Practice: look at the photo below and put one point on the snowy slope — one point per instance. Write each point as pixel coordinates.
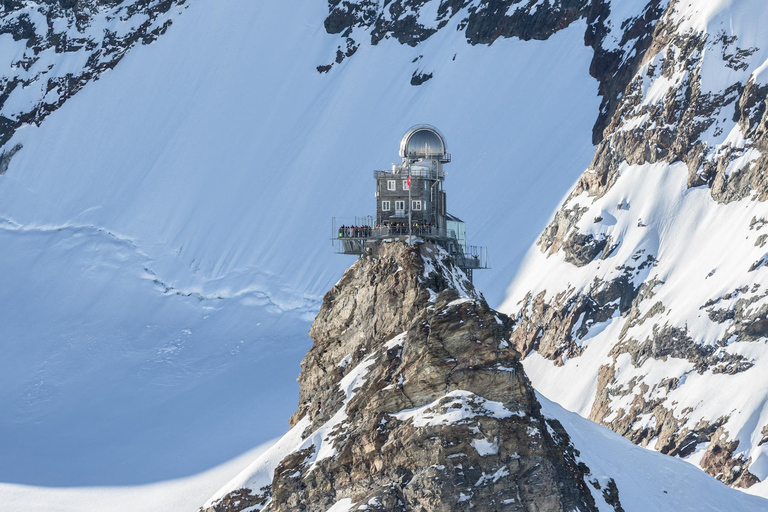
(109, 380)
(647, 291)
(645, 480)
(184, 494)
(209, 138)
(164, 232)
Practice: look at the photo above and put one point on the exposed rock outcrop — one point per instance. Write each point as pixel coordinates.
(694, 107)
(411, 398)
(619, 44)
(90, 36)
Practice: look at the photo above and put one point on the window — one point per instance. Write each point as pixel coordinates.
(391, 185)
(405, 185)
(385, 206)
(416, 205)
(400, 205)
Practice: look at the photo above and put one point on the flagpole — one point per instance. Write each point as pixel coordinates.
(410, 235)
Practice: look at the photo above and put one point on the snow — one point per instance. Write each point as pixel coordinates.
(259, 473)
(621, 12)
(686, 231)
(172, 495)
(739, 163)
(646, 480)
(460, 301)
(100, 364)
(455, 407)
(164, 232)
(725, 17)
(485, 447)
(397, 341)
(37, 68)
(343, 505)
(486, 479)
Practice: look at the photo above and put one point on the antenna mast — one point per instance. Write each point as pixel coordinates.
(410, 203)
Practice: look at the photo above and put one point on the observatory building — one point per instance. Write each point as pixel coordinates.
(411, 204)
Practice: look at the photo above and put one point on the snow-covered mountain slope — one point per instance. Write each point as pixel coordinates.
(183, 494)
(164, 231)
(645, 480)
(50, 50)
(646, 293)
(427, 407)
(108, 379)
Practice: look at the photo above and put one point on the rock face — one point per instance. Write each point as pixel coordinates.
(62, 45)
(649, 274)
(411, 398)
(618, 35)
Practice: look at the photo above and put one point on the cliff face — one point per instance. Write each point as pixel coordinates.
(412, 398)
(650, 279)
(618, 32)
(57, 47)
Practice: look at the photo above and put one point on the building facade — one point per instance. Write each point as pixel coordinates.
(423, 155)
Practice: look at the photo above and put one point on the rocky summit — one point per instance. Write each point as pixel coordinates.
(412, 398)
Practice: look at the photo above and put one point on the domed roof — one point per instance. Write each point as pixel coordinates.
(423, 141)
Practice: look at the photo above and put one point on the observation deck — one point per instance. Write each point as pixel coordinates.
(356, 236)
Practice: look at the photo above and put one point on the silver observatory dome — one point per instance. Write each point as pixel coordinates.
(424, 141)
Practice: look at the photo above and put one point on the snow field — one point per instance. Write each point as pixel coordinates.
(165, 232)
(704, 251)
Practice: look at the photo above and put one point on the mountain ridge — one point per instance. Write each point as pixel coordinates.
(646, 277)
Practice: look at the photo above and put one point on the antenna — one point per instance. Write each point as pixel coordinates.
(410, 205)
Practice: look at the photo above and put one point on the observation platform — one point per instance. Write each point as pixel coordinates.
(356, 236)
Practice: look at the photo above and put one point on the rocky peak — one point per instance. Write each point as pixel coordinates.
(412, 398)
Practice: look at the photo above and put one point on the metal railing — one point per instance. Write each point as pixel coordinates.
(444, 157)
(473, 257)
(368, 230)
(431, 174)
(351, 239)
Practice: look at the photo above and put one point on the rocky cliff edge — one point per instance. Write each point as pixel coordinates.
(412, 398)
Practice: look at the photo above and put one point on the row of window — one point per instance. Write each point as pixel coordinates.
(392, 185)
(400, 205)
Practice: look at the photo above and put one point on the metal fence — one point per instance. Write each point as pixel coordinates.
(352, 234)
(365, 227)
(474, 257)
(431, 174)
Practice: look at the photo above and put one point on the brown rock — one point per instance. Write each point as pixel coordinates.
(415, 395)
